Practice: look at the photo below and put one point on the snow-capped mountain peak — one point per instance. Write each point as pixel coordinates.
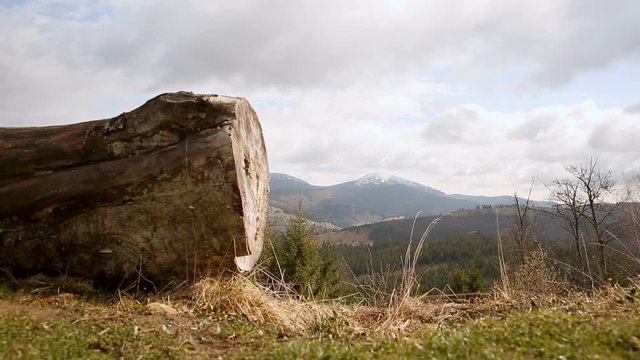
(375, 178)
(381, 179)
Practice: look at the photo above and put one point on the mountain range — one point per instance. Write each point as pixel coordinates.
(371, 198)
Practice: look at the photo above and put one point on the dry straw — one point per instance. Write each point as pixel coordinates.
(243, 295)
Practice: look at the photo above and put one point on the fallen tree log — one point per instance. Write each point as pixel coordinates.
(171, 191)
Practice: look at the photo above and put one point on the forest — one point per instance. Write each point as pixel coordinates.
(582, 241)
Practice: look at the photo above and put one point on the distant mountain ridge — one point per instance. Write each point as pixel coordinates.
(368, 199)
(284, 181)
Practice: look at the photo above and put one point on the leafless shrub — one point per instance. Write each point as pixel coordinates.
(537, 275)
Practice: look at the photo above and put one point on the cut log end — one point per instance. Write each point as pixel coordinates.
(173, 190)
(252, 168)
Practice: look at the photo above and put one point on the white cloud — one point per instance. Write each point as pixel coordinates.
(518, 147)
(633, 109)
(343, 90)
(463, 149)
(311, 44)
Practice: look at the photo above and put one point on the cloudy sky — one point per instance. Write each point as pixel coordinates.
(476, 97)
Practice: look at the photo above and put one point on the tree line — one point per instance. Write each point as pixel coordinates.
(604, 246)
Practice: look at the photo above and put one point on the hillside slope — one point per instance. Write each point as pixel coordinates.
(482, 222)
(371, 198)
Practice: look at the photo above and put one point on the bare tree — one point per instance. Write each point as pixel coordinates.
(594, 186)
(570, 208)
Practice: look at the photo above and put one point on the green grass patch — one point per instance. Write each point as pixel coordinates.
(24, 338)
(6, 291)
(599, 326)
(537, 335)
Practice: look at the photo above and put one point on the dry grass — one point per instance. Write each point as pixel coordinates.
(242, 295)
(437, 325)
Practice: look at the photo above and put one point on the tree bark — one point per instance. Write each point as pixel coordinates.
(173, 190)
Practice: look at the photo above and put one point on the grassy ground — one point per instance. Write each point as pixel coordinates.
(38, 325)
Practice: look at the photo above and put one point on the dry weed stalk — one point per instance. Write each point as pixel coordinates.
(402, 310)
(402, 304)
(375, 288)
(410, 262)
(505, 289)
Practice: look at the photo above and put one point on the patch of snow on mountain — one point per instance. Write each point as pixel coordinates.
(377, 179)
(384, 179)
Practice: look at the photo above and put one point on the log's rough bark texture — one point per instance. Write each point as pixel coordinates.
(173, 190)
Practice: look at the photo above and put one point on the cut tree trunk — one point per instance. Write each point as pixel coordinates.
(171, 191)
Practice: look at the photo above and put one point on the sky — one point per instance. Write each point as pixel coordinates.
(478, 97)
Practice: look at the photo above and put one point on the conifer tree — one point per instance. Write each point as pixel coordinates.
(299, 261)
